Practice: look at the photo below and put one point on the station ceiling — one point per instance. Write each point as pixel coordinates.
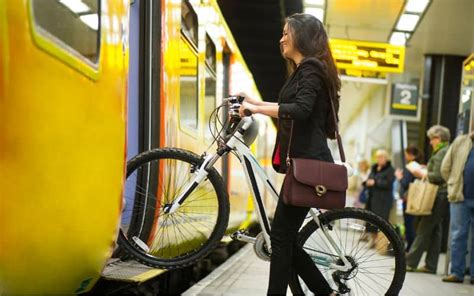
(446, 28)
(257, 26)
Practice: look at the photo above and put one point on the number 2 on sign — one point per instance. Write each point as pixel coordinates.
(406, 97)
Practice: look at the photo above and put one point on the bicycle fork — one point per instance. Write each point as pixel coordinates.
(335, 248)
(200, 175)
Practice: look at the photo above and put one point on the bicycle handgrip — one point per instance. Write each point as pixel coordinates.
(247, 112)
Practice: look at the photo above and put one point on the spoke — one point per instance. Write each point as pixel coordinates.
(198, 222)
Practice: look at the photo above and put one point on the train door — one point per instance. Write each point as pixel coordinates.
(143, 94)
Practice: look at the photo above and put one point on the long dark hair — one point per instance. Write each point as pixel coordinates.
(310, 39)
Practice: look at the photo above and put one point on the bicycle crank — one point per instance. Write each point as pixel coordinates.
(260, 247)
(242, 235)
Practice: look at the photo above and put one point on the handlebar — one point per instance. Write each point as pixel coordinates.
(234, 105)
(235, 99)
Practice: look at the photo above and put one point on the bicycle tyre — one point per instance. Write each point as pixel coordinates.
(205, 246)
(397, 252)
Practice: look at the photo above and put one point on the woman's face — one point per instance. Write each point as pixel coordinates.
(434, 141)
(381, 160)
(409, 157)
(286, 44)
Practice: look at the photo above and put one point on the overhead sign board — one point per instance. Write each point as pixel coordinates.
(404, 101)
(371, 56)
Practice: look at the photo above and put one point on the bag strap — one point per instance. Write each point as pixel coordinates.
(338, 136)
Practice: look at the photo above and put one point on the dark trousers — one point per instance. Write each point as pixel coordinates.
(428, 235)
(409, 226)
(286, 255)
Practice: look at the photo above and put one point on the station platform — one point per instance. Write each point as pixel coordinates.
(244, 274)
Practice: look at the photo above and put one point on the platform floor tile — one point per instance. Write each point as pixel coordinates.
(244, 274)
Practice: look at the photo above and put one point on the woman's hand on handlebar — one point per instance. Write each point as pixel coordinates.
(247, 109)
(248, 99)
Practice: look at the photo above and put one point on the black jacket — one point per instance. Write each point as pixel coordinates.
(383, 186)
(405, 183)
(303, 99)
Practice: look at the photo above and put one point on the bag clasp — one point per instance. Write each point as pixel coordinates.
(320, 190)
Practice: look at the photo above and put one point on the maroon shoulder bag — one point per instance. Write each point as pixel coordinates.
(315, 183)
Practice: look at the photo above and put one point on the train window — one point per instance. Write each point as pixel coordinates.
(73, 25)
(210, 53)
(188, 85)
(189, 22)
(209, 100)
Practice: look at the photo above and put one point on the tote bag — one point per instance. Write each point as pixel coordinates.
(421, 197)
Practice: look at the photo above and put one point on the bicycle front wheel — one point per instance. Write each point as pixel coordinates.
(155, 179)
(371, 245)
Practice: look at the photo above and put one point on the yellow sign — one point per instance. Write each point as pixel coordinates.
(372, 56)
(468, 70)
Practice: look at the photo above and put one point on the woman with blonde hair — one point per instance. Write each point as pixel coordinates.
(380, 187)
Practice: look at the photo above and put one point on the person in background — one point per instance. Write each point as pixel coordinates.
(356, 188)
(429, 229)
(457, 169)
(380, 186)
(405, 177)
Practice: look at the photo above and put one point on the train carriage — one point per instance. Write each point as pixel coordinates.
(63, 81)
(66, 75)
(199, 64)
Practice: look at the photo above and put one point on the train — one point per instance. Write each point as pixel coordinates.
(86, 85)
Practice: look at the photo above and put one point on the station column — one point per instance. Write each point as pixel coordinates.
(441, 92)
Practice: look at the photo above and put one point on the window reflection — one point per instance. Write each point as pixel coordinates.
(189, 22)
(209, 100)
(72, 24)
(210, 53)
(188, 86)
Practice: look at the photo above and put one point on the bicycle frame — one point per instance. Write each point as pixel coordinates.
(252, 169)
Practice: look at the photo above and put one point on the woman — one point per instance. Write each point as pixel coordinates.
(405, 177)
(304, 100)
(429, 229)
(380, 187)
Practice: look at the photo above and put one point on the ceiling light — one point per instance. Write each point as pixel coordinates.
(399, 38)
(76, 6)
(92, 20)
(314, 2)
(417, 6)
(317, 12)
(407, 22)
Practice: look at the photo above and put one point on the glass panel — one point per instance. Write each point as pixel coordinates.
(188, 86)
(209, 100)
(189, 22)
(210, 53)
(74, 25)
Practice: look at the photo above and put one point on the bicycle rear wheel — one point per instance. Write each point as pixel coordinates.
(154, 179)
(378, 266)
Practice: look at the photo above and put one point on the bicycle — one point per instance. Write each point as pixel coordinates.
(191, 214)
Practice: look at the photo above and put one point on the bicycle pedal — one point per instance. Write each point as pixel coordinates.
(242, 235)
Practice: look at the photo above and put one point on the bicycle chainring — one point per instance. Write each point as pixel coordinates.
(260, 247)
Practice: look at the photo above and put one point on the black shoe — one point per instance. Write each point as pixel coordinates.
(425, 269)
